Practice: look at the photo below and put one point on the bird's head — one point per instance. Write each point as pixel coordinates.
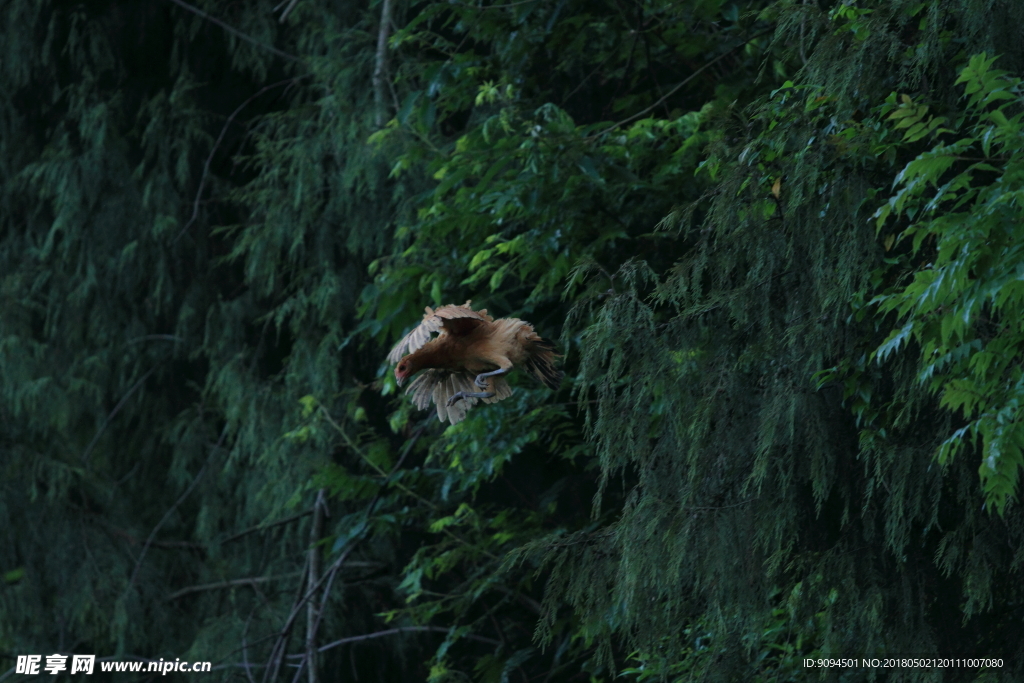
(404, 370)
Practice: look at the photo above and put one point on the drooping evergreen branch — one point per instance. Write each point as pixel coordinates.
(234, 31)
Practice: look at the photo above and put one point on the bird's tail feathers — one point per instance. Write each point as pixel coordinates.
(541, 364)
(545, 344)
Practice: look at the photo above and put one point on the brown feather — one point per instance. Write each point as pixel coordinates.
(459, 320)
(467, 344)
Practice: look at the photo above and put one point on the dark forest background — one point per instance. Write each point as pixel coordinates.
(779, 243)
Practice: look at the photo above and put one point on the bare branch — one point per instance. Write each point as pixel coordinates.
(220, 138)
(277, 653)
(155, 337)
(680, 85)
(245, 648)
(380, 65)
(250, 581)
(312, 611)
(117, 408)
(170, 511)
(400, 629)
(189, 545)
(368, 636)
(287, 10)
(264, 527)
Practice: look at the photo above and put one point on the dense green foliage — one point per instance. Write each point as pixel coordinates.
(958, 306)
(779, 244)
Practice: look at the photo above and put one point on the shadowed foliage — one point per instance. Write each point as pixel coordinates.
(778, 243)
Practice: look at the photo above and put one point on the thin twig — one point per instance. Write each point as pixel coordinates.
(250, 581)
(680, 85)
(287, 10)
(245, 648)
(509, 4)
(220, 138)
(167, 515)
(369, 636)
(527, 601)
(156, 544)
(117, 408)
(264, 527)
(155, 337)
(234, 31)
(722, 507)
(133, 470)
(299, 593)
(400, 629)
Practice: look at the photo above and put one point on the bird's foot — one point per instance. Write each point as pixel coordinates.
(481, 382)
(459, 395)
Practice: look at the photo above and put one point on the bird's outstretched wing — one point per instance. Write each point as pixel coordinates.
(453, 319)
(439, 385)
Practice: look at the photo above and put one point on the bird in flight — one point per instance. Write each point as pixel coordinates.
(468, 360)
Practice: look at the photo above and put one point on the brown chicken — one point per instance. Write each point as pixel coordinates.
(472, 349)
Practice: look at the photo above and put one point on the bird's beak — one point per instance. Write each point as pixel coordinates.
(399, 380)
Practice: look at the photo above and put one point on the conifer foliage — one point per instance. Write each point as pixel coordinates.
(779, 241)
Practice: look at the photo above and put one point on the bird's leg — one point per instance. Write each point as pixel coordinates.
(459, 395)
(482, 383)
